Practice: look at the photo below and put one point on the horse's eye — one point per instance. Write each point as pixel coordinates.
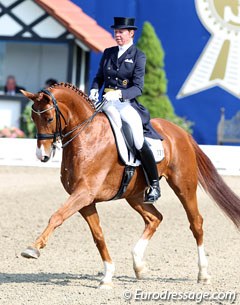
(50, 120)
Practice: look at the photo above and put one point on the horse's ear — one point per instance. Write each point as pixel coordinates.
(29, 95)
(33, 97)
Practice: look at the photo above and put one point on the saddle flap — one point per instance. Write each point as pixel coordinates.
(125, 144)
(128, 137)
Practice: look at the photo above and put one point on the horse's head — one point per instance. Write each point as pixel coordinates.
(48, 120)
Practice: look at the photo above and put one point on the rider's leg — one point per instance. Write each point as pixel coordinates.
(149, 165)
(114, 114)
(130, 115)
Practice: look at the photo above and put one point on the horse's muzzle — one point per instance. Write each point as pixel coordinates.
(45, 159)
(42, 154)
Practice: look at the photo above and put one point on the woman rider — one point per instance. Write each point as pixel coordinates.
(121, 74)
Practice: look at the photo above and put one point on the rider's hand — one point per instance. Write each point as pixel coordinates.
(113, 96)
(94, 95)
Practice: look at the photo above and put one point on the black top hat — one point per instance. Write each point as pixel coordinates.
(124, 23)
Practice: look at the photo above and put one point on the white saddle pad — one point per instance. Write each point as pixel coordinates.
(129, 159)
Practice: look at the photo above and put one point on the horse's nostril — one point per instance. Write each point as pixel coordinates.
(45, 159)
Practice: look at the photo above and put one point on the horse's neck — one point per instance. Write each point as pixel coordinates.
(75, 108)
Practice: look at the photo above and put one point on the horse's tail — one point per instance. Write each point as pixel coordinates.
(214, 185)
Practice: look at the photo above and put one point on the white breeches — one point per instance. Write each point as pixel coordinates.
(117, 110)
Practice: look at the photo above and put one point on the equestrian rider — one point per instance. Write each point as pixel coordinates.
(121, 74)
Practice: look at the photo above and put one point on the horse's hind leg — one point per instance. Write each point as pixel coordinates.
(90, 214)
(185, 188)
(152, 219)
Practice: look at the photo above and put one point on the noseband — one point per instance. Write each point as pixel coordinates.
(59, 131)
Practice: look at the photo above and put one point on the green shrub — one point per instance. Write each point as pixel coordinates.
(27, 124)
(154, 96)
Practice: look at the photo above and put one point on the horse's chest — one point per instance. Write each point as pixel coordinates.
(68, 178)
(71, 171)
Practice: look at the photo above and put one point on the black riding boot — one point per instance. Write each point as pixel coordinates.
(150, 168)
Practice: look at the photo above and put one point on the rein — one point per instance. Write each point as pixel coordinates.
(59, 131)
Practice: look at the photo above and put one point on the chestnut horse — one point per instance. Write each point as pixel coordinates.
(91, 172)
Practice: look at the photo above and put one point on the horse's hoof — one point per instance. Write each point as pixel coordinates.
(206, 279)
(31, 252)
(141, 271)
(106, 286)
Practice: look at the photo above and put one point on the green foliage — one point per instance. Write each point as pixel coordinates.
(154, 96)
(28, 125)
(161, 107)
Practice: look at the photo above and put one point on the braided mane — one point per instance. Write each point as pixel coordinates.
(75, 89)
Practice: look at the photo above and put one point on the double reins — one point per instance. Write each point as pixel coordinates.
(59, 130)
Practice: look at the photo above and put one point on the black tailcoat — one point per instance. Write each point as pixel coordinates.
(127, 74)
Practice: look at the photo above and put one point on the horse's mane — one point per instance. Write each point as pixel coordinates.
(75, 89)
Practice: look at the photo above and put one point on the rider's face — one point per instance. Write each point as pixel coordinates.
(123, 36)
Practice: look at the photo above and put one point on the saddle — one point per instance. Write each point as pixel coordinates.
(128, 153)
(126, 148)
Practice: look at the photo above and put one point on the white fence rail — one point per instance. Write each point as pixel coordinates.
(21, 152)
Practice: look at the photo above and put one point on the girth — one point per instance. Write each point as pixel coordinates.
(127, 177)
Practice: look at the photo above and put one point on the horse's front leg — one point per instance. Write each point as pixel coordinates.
(74, 203)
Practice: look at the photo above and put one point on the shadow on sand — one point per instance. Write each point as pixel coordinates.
(65, 279)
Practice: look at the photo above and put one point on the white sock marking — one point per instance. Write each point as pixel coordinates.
(138, 251)
(108, 272)
(203, 265)
(202, 260)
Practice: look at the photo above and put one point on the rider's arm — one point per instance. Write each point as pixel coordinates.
(137, 78)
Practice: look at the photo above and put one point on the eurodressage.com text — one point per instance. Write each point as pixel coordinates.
(197, 297)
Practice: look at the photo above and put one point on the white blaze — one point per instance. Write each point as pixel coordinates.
(40, 152)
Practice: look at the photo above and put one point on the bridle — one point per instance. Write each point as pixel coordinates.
(58, 113)
(58, 134)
